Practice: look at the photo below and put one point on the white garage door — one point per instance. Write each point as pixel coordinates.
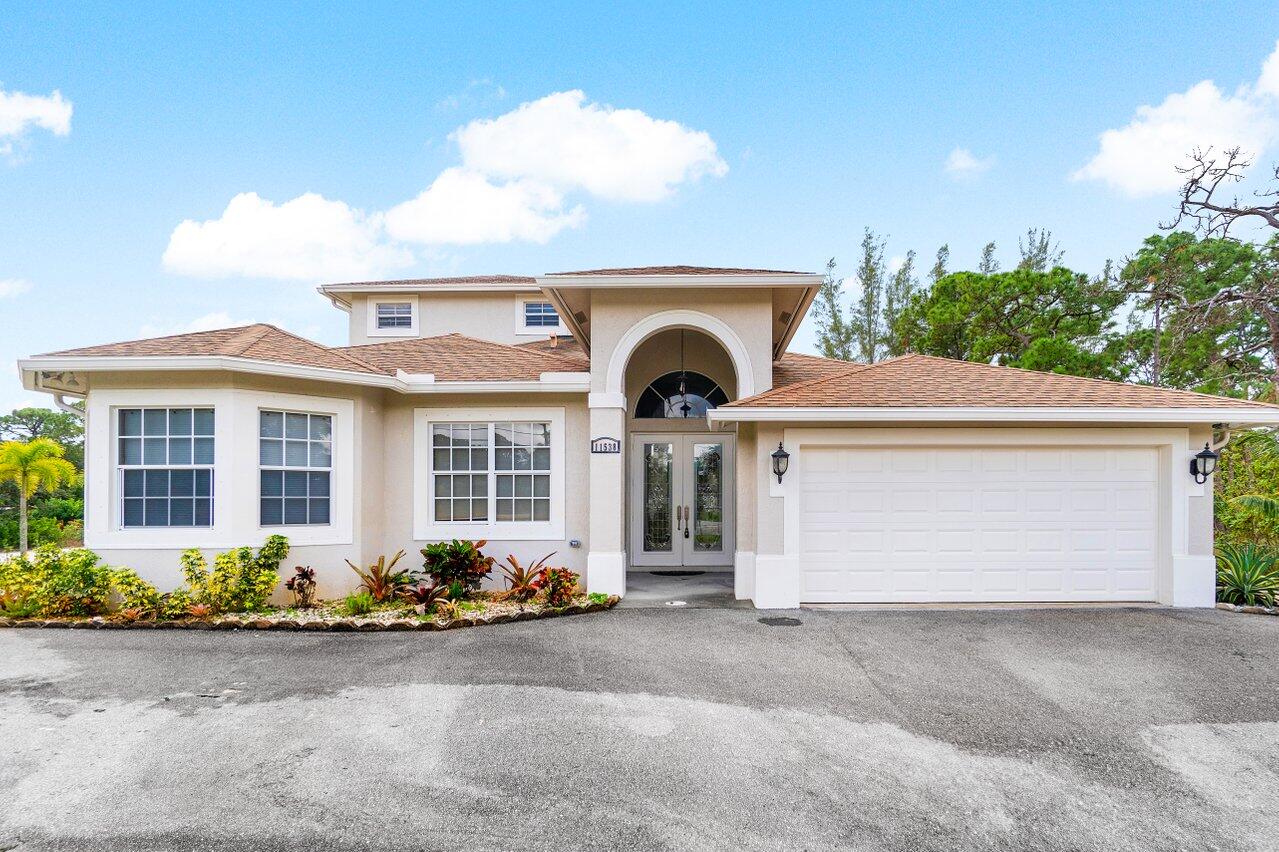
(978, 524)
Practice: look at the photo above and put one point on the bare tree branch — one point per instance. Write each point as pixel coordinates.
(1201, 205)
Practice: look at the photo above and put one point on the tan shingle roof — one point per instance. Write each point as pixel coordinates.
(458, 358)
(259, 341)
(440, 282)
(679, 270)
(795, 367)
(565, 347)
(449, 357)
(913, 381)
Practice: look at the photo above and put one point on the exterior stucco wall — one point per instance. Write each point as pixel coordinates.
(746, 312)
(380, 443)
(1186, 518)
(488, 316)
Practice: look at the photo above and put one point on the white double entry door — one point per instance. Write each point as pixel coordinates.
(681, 500)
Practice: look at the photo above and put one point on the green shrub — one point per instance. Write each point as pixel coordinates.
(52, 582)
(61, 509)
(240, 581)
(40, 531)
(457, 561)
(597, 598)
(1246, 575)
(175, 605)
(358, 603)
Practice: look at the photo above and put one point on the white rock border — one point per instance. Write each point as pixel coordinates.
(337, 625)
(1252, 610)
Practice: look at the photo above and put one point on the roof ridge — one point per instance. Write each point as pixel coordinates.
(246, 337)
(336, 350)
(1089, 379)
(234, 328)
(561, 359)
(852, 368)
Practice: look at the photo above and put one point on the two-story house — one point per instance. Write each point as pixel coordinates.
(633, 419)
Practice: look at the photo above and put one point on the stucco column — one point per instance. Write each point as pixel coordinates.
(606, 560)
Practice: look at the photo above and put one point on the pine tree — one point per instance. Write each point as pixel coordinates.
(988, 265)
(865, 319)
(939, 266)
(897, 295)
(834, 335)
(1039, 253)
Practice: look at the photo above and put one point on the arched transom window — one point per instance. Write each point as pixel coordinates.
(679, 395)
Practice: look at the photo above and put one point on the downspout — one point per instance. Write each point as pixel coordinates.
(66, 406)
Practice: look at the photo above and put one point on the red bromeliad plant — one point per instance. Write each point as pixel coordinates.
(520, 578)
(558, 585)
(424, 597)
(381, 580)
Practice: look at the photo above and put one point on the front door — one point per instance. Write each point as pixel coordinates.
(682, 500)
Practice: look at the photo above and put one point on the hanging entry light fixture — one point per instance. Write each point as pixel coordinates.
(684, 407)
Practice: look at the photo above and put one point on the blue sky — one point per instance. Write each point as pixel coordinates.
(761, 136)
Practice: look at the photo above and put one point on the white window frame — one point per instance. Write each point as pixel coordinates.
(426, 528)
(121, 468)
(308, 469)
(537, 330)
(393, 299)
(236, 520)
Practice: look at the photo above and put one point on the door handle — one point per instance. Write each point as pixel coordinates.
(685, 522)
(678, 517)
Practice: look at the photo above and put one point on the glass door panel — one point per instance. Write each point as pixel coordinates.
(657, 496)
(708, 497)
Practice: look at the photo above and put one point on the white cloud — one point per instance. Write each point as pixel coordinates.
(463, 207)
(20, 112)
(1141, 158)
(10, 287)
(961, 163)
(307, 238)
(517, 174)
(616, 154)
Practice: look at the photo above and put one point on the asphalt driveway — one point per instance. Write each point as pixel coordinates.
(657, 728)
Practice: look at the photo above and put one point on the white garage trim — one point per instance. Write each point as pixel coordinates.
(1182, 579)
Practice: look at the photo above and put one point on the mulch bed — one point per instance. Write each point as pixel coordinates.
(320, 619)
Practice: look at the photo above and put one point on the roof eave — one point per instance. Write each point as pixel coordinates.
(804, 279)
(1238, 417)
(547, 382)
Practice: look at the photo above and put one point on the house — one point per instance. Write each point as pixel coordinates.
(629, 419)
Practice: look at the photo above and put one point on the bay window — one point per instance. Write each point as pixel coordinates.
(295, 459)
(164, 459)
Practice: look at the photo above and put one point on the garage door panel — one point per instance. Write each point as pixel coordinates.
(979, 524)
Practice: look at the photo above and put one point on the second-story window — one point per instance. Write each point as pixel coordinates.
(395, 315)
(540, 315)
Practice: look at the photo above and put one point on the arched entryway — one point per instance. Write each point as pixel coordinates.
(680, 485)
(690, 491)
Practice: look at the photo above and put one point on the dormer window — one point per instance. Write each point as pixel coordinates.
(394, 315)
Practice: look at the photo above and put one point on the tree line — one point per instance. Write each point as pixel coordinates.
(1198, 311)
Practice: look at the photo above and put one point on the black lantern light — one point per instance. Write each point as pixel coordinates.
(781, 461)
(1203, 464)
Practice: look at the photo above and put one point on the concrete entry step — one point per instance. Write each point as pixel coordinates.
(680, 588)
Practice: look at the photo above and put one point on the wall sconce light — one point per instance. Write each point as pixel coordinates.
(781, 461)
(1203, 464)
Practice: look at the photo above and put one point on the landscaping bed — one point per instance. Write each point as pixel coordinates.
(55, 588)
(330, 617)
(1254, 610)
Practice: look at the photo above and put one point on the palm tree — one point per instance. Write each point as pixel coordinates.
(33, 466)
(1263, 445)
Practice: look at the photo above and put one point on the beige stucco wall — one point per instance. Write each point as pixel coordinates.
(1189, 507)
(383, 477)
(488, 316)
(747, 312)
